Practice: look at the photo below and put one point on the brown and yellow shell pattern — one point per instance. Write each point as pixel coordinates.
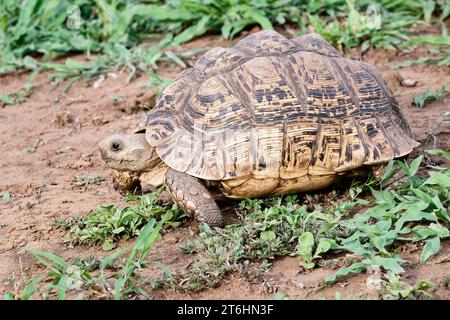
(297, 108)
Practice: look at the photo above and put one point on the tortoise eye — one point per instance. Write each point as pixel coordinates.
(115, 146)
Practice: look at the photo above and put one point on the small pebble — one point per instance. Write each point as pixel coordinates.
(408, 82)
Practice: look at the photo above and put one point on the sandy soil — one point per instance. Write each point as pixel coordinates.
(63, 130)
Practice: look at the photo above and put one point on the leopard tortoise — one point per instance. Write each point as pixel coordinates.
(266, 117)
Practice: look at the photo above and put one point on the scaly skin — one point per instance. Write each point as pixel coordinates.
(193, 198)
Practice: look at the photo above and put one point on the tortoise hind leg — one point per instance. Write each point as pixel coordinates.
(193, 197)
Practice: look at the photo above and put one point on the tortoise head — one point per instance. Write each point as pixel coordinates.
(128, 152)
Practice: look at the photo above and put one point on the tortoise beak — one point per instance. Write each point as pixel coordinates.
(102, 153)
(102, 148)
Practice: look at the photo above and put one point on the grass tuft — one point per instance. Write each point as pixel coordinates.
(109, 223)
(428, 96)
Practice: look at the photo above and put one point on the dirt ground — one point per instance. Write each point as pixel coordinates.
(63, 130)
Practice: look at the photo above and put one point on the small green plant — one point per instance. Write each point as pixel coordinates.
(66, 223)
(395, 289)
(108, 223)
(428, 96)
(156, 81)
(124, 281)
(6, 196)
(392, 220)
(305, 247)
(84, 181)
(438, 41)
(442, 58)
(440, 52)
(79, 276)
(12, 99)
(446, 281)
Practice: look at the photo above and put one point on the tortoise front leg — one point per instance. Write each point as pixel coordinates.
(126, 182)
(192, 196)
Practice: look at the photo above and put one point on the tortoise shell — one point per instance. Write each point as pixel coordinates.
(272, 107)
